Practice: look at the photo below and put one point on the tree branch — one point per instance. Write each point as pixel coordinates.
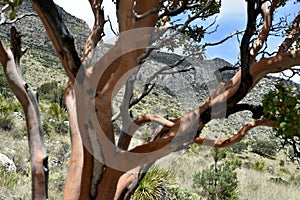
(28, 99)
(73, 180)
(237, 137)
(96, 33)
(293, 36)
(267, 14)
(5, 22)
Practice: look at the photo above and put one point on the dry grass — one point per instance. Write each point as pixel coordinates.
(256, 185)
(17, 149)
(253, 184)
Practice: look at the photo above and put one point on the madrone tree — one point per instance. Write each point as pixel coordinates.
(103, 167)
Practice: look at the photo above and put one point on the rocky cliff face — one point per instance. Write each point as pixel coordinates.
(35, 38)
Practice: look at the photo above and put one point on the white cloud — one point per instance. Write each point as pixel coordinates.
(233, 7)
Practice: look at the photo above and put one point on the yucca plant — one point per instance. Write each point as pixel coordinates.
(156, 184)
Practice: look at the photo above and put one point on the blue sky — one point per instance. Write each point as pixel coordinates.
(231, 19)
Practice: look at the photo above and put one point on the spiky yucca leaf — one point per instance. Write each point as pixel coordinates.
(155, 185)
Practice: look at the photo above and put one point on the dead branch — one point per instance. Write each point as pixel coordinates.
(293, 36)
(28, 99)
(223, 40)
(96, 33)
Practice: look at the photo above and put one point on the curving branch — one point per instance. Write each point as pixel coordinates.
(237, 137)
(222, 40)
(198, 117)
(4, 21)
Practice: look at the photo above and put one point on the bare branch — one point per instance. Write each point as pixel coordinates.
(111, 28)
(4, 21)
(28, 99)
(223, 40)
(267, 14)
(237, 137)
(292, 36)
(96, 33)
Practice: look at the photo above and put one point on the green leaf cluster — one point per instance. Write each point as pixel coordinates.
(282, 106)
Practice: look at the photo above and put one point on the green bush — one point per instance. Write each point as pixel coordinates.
(281, 163)
(179, 193)
(7, 123)
(194, 149)
(264, 147)
(52, 92)
(4, 88)
(219, 181)
(259, 166)
(295, 179)
(282, 107)
(157, 184)
(238, 147)
(6, 113)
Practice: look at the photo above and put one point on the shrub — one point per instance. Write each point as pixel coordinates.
(295, 179)
(52, 92)
(281, 163)
(194, 149)
(4, 88)
(7, 123)
(259, 166)
(279, 180)
(219, 180)
(264, 147)
(238, 147)
(57, 112)
(282, 107)
(179, 193)
(6, 113)
(156, 184)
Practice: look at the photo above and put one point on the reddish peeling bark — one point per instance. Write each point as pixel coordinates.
(73, 182)
(38, 157)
